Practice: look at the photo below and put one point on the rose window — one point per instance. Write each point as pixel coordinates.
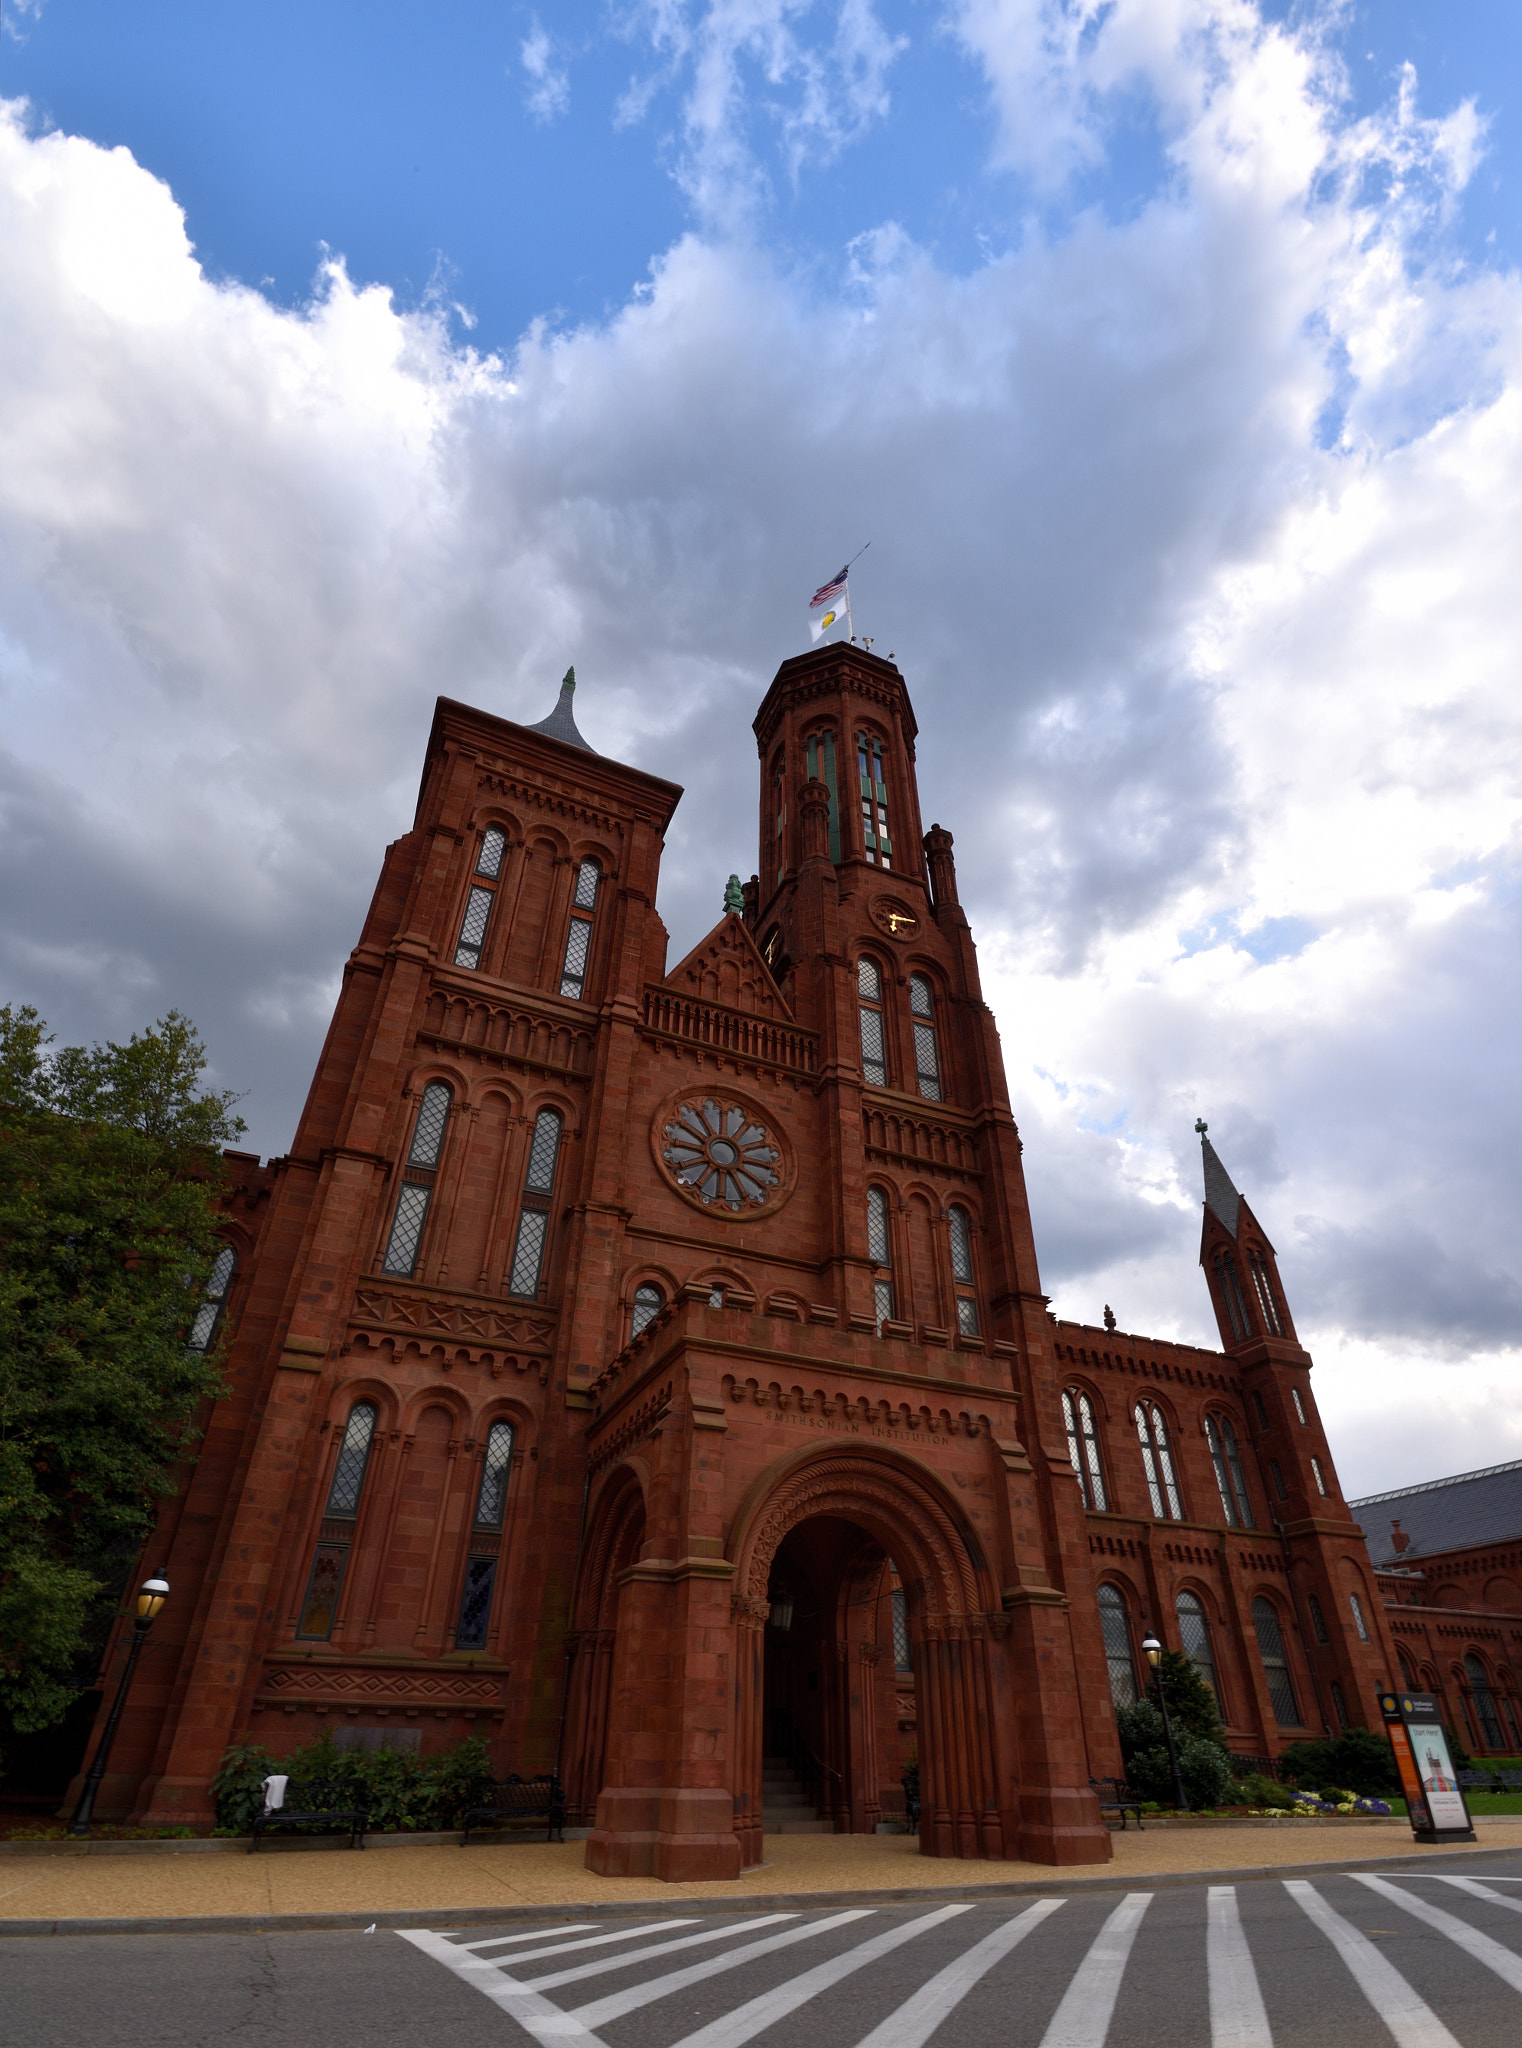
(720, 1154)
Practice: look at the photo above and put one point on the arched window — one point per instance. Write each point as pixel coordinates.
(478, 905)
(1257, 1265)
(1316, 1474)
(534, 1216)
(481, 1564)
(1356, 1605)
(903, 1656)
(1281, 1690)
(1115, 1625)
(1157, 1460)
(1407, 1675)
(330, 1559)
(927, 1065)
(1294, 1394)
(1484, 1704)
(961, 1271)
(418, 1177)
(879, 1251)
(1225, 1456)
(648, 1303)
(874, 801)
(1318, 1622)
(208, 1316)
(869, 992)
(1339, 1707)
(819, 762)
(1194, 1634)
(779, 798)
(1231, 1294)
(578, 938)
(1083, 1447)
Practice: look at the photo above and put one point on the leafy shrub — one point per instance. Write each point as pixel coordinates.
(1204, 1767)
(1258, 1790)
(1141, 1728)
(399, 1791)
(1359, 1760)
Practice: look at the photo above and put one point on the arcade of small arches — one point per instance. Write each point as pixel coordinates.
(1481, 1687)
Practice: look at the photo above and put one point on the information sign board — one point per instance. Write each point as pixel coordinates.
(1437, 1808)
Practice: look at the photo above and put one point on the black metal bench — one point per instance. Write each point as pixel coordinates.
(911, 1785)
(1116, 1796)
(516, 1798)
(1489, 1781)
(322, 1806)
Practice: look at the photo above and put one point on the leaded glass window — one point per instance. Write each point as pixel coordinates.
(1260, 1411)
(1263, 1287)
(528, 1253)
(493, 845)
(1318, 1623)
(1231, 1294)
(1231, 1483)
(1356, 1606)
(869, 990)
(876, 844)
(475, 1603)
(428, 1131)
(1157, 1462)
(491, 1501)
(962, 1273)
(819, 759)
(543, 1153)
(319, 1609)
(879, 1251)
(588, 875)
(213, 1302)
(1294, 1394)
(406, 1229)
(648, 1303)
(1083, 1447)
(1277, 1472)
(1316, 1474)
(1115, 1624)
(1339, 1707)
(467, 952)
(902, 1657)
(573, 974)
(353, 1458)
(717, 1152)
(1194, 1634)
(1281, 1690)
(780, 788)
(927, 1065)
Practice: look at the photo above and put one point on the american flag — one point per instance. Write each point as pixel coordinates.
(827, 591)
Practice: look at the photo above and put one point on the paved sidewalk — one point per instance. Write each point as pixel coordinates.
(276, 1883)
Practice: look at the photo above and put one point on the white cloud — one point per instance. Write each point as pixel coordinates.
(549, 93)
(1223, 717)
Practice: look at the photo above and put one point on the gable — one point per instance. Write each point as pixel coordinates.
(727, 968)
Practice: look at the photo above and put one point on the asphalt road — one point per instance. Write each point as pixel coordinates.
(1427, 1960)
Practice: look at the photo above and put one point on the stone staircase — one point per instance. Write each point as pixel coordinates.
(785, 1810)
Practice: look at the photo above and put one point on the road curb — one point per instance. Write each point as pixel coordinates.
(602, 1909)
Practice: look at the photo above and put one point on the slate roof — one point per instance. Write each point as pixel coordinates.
(1444, 1514)
(561, 725)
(1220, 1195)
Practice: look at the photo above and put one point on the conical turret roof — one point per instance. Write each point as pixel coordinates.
(1221, 1198)
(561, 724)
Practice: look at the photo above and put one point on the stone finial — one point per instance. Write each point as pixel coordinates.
(1109, 1317)
(734, 895)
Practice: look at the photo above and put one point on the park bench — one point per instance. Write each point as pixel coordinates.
(321, 1806)
(515, 1798)
(1115, 1796)
(911, 1785)
(1489, 1781)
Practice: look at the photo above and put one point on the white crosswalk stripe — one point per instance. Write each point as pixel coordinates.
(1507, 1966)
(1239, 1937)
(1237, 2018)
(917, 2019)
(1083, 2018)
(1410, 2019)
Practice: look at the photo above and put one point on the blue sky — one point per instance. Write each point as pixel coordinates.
(408, 140)
(1169, 353)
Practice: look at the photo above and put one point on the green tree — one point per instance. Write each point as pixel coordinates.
(108, 1182)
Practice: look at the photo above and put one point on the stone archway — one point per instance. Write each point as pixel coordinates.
(618, 1529)
(956, 1627)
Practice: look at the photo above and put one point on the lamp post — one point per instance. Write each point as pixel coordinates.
(1152, 1650)
(151, 1596)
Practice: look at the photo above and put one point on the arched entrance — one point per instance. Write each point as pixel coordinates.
(618, 1529)
(822, 1533)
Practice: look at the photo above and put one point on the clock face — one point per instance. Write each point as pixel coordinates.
(894, 918)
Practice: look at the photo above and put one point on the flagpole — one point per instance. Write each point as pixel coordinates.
(850, 629)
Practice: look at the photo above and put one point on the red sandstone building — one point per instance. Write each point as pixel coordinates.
(608, 1315)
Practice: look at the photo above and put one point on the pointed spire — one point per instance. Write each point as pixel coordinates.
(1221, 1198)
(561, 725)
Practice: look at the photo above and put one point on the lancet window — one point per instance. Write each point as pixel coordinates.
(869, 993)
(648, 1303)
(879, 1251)
(1157, 1462)
(1231, 1481)
(534, 1216)
(876, 844)
(819, 760)
(1115, 1624)
(927, 1063)
(483, 891)
(1231, 1294)
(319, 1609)
(419, 1173)
(1194, 1634)
(208, 1317)
(481, 1564)
(578, 941)
(962, 1276)
(1083, 1447)
(1281, 1688)
(1257, 1265)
